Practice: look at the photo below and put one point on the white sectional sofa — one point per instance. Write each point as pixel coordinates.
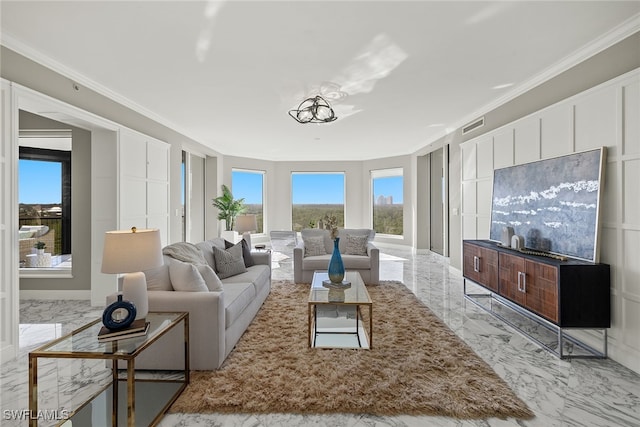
(366, 261)
(217, 318)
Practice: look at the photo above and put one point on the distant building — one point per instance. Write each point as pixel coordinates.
(384, 200)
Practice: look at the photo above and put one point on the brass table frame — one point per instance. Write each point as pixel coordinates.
(114, 356)
(313, 305)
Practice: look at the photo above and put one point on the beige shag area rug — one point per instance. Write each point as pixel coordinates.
(417, 366)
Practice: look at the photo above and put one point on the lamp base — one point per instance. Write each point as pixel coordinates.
(134, 290)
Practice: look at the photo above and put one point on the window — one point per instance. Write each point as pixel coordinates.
(44, 195)
(315, 195)
(387, 190)
(249, 185)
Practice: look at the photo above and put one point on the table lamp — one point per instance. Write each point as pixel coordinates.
(130, 252)
(245, 224)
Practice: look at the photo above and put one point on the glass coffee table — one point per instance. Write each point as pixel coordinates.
(334, 313)
(142, 401)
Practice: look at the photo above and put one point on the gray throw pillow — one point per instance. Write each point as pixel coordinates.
(356, 245)
(314, 246)
(229, 262)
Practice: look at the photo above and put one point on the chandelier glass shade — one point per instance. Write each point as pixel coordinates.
(313, 110)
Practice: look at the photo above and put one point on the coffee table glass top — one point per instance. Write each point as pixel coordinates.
(85, 340)
(355, 294)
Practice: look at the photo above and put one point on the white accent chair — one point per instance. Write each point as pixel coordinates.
(367, 265)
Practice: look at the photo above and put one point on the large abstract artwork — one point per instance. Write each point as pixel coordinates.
(552, 203)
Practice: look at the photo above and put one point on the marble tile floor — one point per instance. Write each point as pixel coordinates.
(580, 392)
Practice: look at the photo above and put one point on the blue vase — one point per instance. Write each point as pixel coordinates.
(336, 267)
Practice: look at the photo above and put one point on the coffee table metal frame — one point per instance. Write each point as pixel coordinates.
(356, 295)
(84, 345)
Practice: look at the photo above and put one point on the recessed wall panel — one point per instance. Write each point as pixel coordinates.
(610, 193)
(631, 111)
(483, 201)
(157, 161)
(133, 201)
(609, 252)
(484, 225)
(595, 121)
(527, 140)
(468, 161)
(469, 197)
(631, 313)
(630, 250)
(484, 158)
(469, 227)
(631, 199)
(556, 132)
(503, 149)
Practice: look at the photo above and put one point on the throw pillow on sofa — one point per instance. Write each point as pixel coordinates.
(229, 262)
(356, 245)
(210, 277)
(158, 278)
(314, 246)
(246, 252)
(185, 277)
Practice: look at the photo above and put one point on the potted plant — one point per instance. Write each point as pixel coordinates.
(40, 247)
(228, 209)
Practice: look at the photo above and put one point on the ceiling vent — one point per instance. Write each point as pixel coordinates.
(473, 125)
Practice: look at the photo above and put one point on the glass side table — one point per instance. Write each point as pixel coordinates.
(154, 395)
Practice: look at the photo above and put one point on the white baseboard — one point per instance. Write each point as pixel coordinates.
(55, 294)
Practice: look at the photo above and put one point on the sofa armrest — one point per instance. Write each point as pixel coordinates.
(298, 254)
(374, 255)
(206, 329)
(262, 257)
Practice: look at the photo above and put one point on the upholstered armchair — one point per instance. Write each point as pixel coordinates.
(365, 259)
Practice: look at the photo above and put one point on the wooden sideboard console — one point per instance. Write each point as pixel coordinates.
(557, 294)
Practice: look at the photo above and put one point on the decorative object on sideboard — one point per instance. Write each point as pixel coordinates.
(507, 234)
(517, 242)
(313, 110)
(245, 225)
(130, 252)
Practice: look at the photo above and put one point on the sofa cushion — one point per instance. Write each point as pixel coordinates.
(229, 262)
(207, 249)
(351, 262)
(185, 277)
(210, 277)
(314, 246)
(257, 274)
(158, 278)
(237, 297)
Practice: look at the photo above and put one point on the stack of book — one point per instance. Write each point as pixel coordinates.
(138, 328)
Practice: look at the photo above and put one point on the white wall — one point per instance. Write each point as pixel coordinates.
(606, 115)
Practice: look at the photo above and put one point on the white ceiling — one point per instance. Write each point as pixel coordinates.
(226, 73)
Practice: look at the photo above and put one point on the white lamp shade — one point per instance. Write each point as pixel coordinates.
(127, 251)
(246, 223)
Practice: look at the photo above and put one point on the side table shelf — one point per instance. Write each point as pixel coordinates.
(125, 400)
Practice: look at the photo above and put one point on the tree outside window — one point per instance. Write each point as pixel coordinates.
(315, 195)
(387, 191)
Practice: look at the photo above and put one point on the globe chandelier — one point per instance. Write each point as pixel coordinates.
(313, 110)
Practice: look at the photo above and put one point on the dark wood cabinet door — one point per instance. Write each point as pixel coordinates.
(512, 276)
(481, 265)
(542, 290)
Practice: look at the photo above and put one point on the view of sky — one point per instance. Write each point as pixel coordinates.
(39, 182)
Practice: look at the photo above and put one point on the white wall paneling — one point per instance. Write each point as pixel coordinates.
(606, 115)
(144, 183)
(9, 317)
